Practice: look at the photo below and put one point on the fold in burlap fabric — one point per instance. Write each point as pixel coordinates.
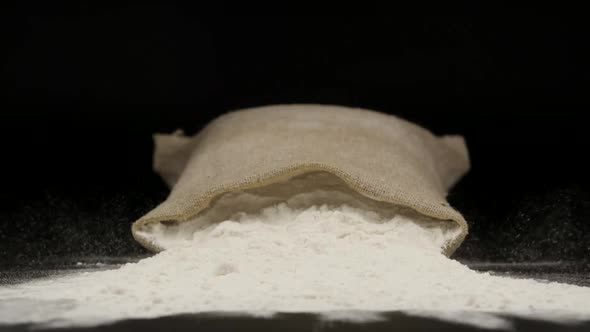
(381, 157)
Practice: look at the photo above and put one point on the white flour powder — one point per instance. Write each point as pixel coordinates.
(289, 259)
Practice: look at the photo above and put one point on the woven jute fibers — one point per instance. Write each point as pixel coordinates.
(379, 156)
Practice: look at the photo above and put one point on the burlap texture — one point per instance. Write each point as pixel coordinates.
(380, 156)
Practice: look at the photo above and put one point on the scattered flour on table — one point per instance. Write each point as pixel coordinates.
(329, 259)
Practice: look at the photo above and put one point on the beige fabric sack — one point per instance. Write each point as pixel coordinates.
(277, 151)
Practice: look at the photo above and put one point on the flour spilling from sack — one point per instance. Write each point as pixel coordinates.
(289, 258)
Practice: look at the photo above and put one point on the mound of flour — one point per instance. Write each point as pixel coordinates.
(285, 259)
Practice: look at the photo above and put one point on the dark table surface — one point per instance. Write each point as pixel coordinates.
(392, 321)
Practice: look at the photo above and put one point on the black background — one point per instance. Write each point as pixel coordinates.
(85, 87)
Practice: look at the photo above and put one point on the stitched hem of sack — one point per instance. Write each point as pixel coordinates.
(287, 173)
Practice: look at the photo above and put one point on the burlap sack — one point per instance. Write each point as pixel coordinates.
(381, 158)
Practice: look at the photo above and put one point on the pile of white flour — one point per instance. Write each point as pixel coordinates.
(285, 259)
